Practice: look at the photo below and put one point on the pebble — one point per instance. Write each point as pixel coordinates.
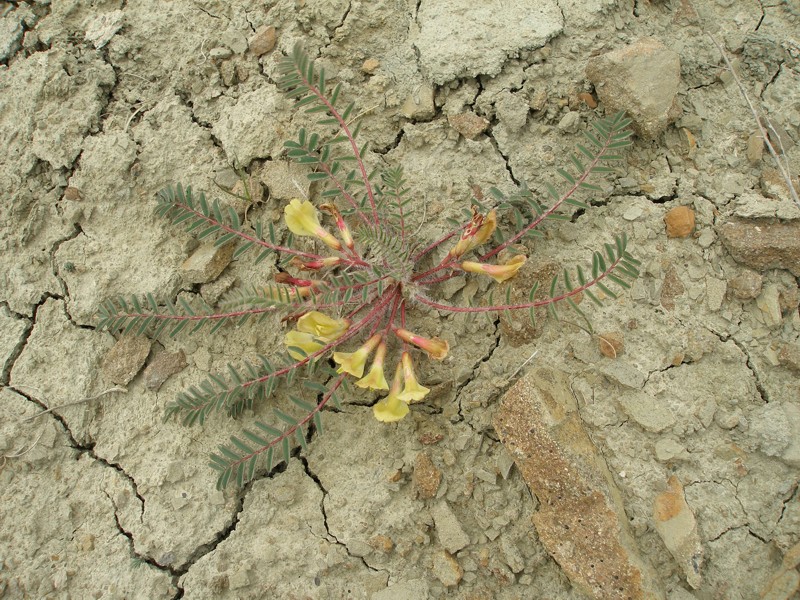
(755, 148)
(633, 213)
(679, 222)
(162, 367)
(649, 413)
(426, 477)
(370, 65)
(789, 356)
(468, 124)
(570, 122)
(715, 293)
(446, 569)
(746, 285)
(676, 524)
(611, 344)
(263, 40)
(449, 530)
(207, 262)
(769, 305)
(419, 105)
(642, 79)
(667, 449)
(126, 357)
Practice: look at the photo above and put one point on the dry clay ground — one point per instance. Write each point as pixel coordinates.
(104, 103)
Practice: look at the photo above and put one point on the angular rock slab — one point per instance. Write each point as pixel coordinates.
(580, 521)
(464, 39)
(642, 79)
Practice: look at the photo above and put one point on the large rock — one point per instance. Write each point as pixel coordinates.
(763, 245)
(581, 520)
(641, 79)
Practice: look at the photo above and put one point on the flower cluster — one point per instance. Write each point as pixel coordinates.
(316, 333)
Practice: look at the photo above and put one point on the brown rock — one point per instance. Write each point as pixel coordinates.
(789, 356)
(263, 40)
(763, 245)
(468, 124)
(426, 478)
(446, 569)
(746, 285)
(207, 262)
(676, 525)
(581, 521)
(382, 543)
(671, 288)
(162, 367)
(642, 79)
(126, 357)
(611, 344)
(370, 66)
(587, 99)
(679, 222)
(755, 148)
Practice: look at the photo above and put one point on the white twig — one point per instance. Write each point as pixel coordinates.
(81, 401)
(782, 165)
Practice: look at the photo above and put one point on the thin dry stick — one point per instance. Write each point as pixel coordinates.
(782, 165)
(81, 401)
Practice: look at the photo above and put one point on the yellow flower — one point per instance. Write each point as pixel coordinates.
(497, 272)
(353, 362)
(391, 408)
(436, 348)
(375, 380)
(412, 391)
(322, 326)
(301, 219)
(344, 230)
(479, 230)
(307, 342)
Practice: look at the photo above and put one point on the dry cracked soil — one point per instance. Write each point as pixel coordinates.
(673, 431)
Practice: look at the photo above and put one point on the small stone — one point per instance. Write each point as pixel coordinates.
(611, 344)
(382, 543)
(587, 99)
(755, 148)
(370, 65)
(72, 193)
(263, 40)
(671, 288)
(789, 356)
(449, 530)
(715, 293)
(240, 579)
(769, 305)
(207, 262)
(676, 524)
(468, 124)
(426, 478)
(746, 285)
(419, 105)
(648, 412)
(446, 569)
(570, 122)
(679, 222)
(633, 213)
(126, 357)
(667, 449)
(763, 245)
(220, 53)
(539, 100)
(162, 367)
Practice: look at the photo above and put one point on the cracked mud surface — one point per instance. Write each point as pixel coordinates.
(102, 104)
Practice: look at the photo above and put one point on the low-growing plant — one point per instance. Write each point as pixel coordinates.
(348, 294)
